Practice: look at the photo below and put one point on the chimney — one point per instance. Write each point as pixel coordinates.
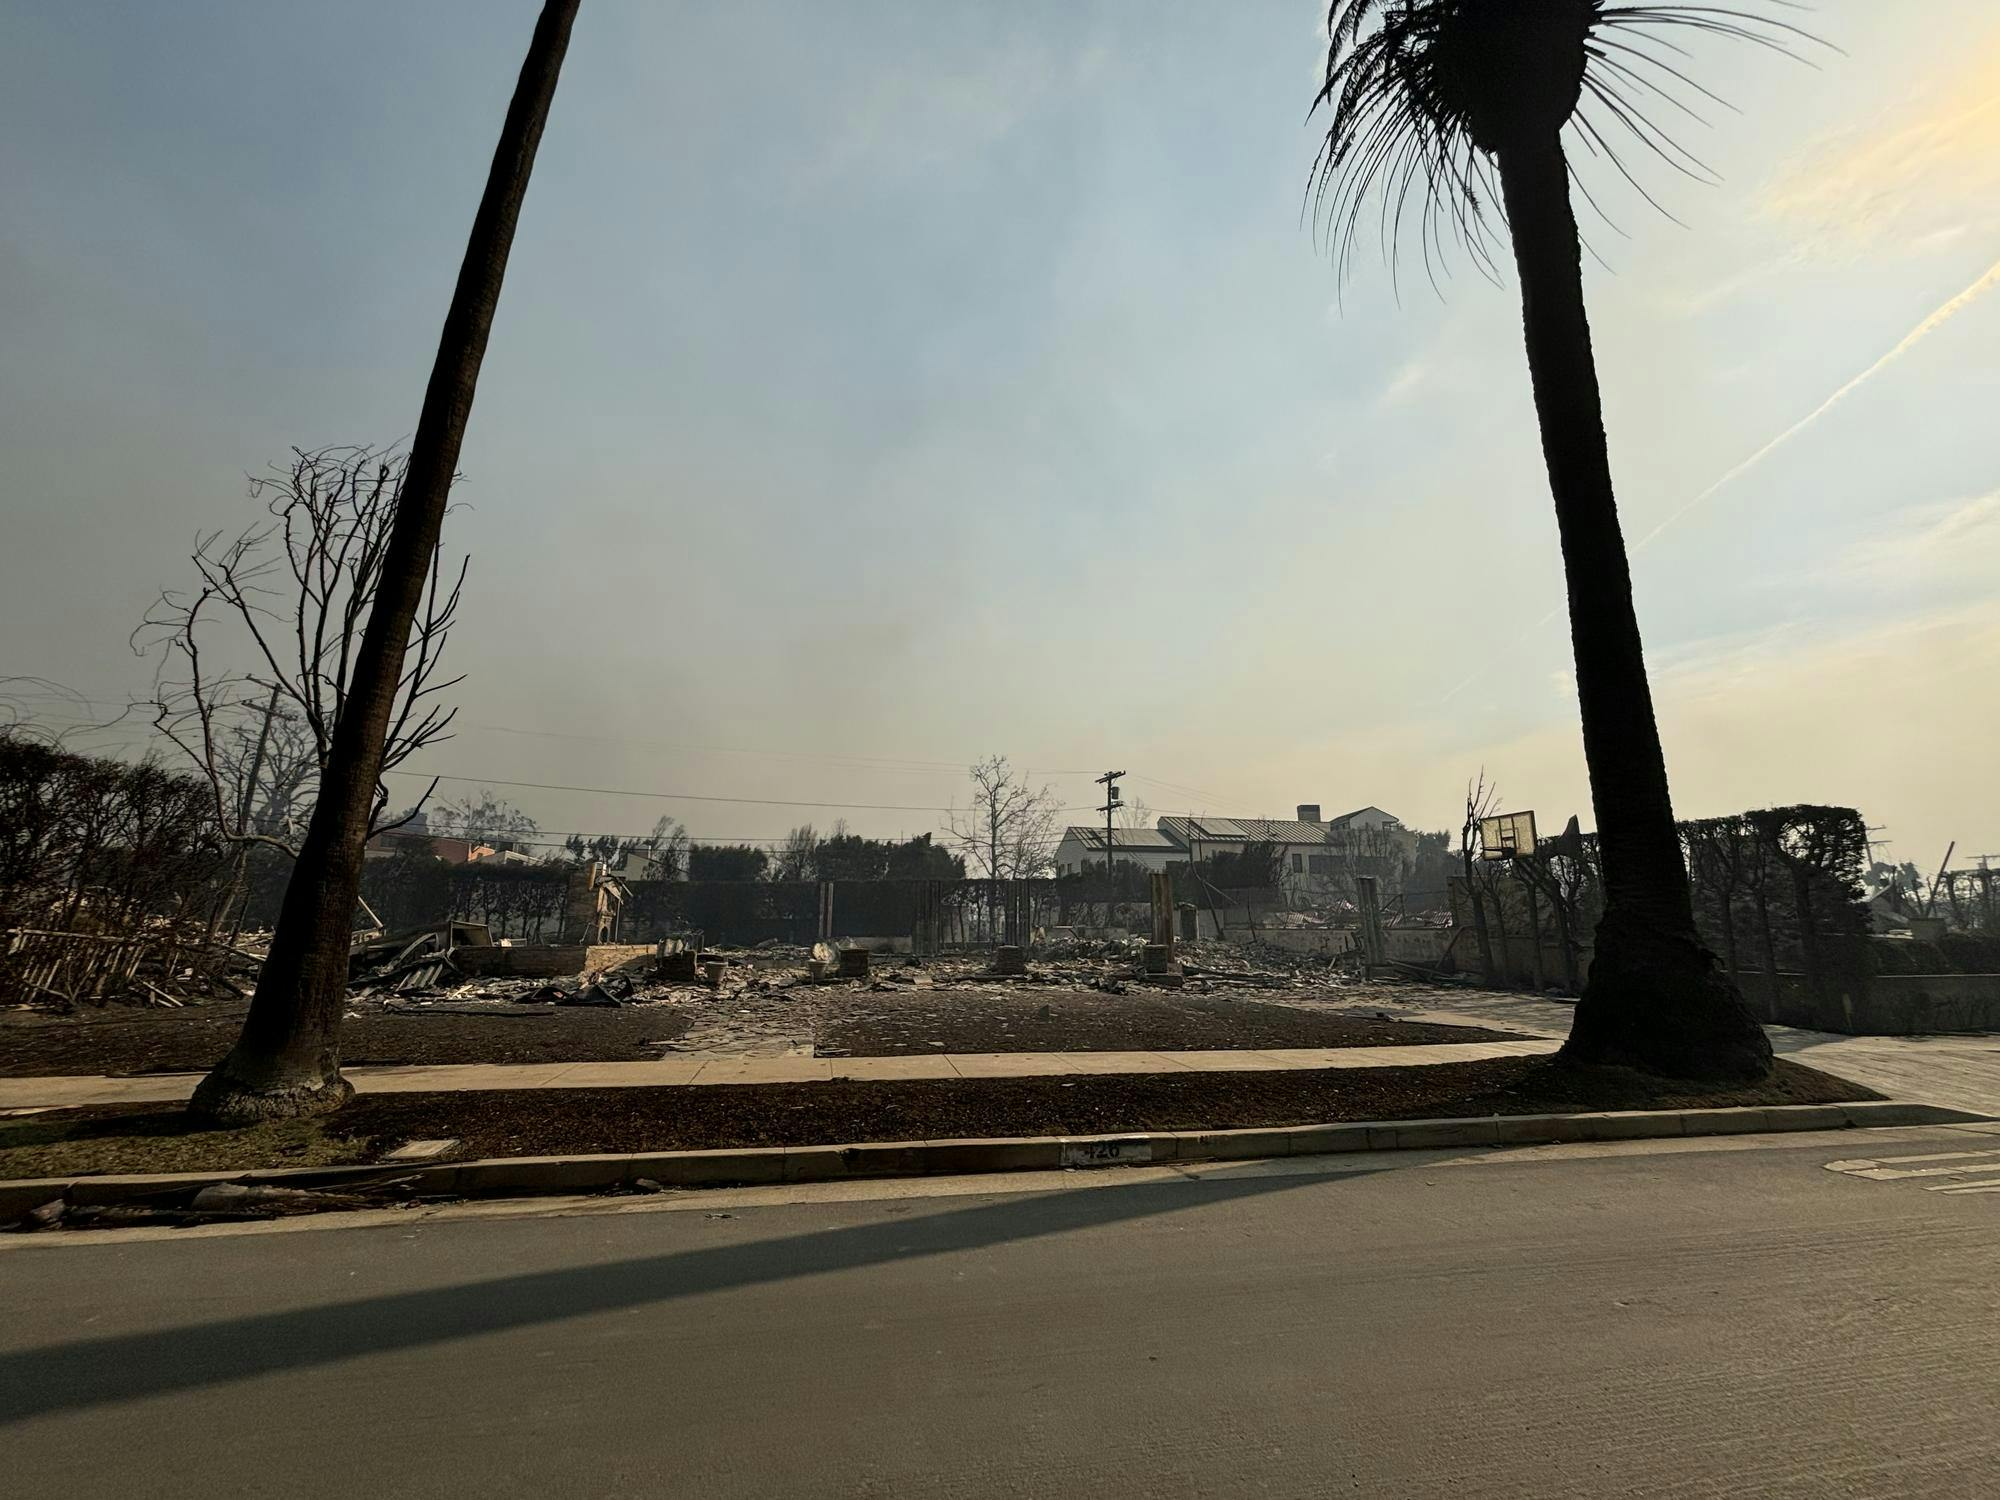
(1309, 812)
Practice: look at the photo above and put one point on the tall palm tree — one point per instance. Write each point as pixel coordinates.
(1429, 103)
(287, 1060)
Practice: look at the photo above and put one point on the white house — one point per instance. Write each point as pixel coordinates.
(1302, 842)
(1148, 848)
(1361, 818)
(635, 867)
(1314, 853)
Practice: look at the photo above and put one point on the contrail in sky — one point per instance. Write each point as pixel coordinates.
(1910, 340)
(1914, 337)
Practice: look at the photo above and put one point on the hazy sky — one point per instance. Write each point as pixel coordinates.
(877, 386)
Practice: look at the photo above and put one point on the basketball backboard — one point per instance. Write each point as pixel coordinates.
(1506, 835)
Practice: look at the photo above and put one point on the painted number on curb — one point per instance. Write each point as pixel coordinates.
(1105, 1153)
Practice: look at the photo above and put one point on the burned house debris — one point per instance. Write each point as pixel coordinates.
(116, 887)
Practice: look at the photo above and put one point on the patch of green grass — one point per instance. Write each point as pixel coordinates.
(77, 1143)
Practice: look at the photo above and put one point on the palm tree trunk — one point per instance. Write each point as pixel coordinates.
(1656, 997)
(287, 1060)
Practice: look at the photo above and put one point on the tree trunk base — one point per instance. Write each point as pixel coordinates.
(226, 1099)
(1662, 1003)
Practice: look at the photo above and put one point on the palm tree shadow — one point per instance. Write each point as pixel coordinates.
(94, 1372)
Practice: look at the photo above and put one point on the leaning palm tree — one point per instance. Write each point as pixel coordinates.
(287, 1060)
(1432, 106)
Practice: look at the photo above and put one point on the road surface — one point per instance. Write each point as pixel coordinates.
(1691, 1318)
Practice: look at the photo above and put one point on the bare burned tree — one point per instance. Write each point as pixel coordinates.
(1008, 831)
(1480, 800)
(493, 821)
(291, 595)
(268, 762)
(798, 857)
(666, 846)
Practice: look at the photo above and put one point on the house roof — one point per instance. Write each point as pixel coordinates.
(1244, 830)
(1280, 830)
(1350, 817)
(1124, 838)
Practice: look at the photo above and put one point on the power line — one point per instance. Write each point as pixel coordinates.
(908, 766)
(913, 765)
(82, 731)
(1175, 786)
(613, 791)
(908, 763)
(86, 731)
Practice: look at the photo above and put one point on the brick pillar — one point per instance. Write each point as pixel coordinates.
(1366, 891)
(1163, 910)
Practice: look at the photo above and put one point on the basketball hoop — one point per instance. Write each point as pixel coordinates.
(1507, 836)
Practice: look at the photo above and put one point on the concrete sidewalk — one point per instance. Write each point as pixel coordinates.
(1958, 1072)
(168, 1088)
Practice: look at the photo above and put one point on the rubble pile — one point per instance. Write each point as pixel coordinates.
(165, 963)
(763, 997)
(425, 972)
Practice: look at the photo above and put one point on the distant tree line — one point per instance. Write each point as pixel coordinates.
(844, 855)
(90, 844)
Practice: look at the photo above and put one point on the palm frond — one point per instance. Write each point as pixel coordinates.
(1401, 136)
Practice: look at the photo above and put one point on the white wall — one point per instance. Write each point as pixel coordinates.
(1073, 854)
(1373, 818)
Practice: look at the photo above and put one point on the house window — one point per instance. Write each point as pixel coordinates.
(1298, 863)
(1320, 864)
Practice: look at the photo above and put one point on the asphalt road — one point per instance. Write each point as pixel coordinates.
(1732, 1320)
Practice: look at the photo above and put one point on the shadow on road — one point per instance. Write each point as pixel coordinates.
(129, 1366)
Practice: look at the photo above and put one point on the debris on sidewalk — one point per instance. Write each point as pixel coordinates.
(422, 1150)
(267, 1200)
(213, 1203)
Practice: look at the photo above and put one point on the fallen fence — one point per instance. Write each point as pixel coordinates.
(80, 968)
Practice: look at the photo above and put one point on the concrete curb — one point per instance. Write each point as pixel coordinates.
(521, 1176)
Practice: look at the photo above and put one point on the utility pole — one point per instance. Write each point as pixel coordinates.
(1930, 906)
(1196, 884)
(1109, 781)
(236, 891)
(257, 762)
